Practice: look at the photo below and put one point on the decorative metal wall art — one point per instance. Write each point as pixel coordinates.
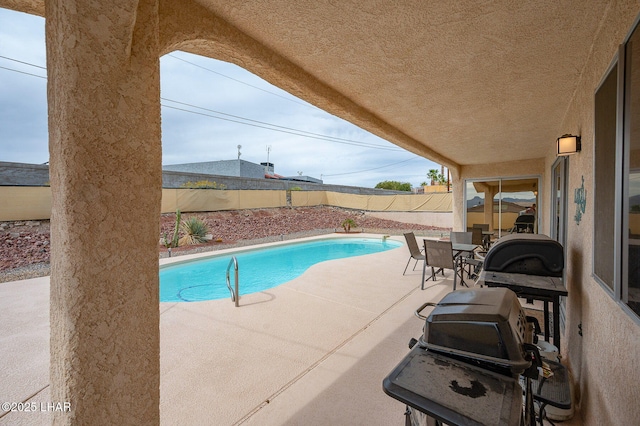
(580, 198)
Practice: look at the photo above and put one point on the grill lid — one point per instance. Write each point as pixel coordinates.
(482, 325)
(532, 254)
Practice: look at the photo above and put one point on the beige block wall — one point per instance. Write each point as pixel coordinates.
(308, 198)
(508, 219)
(31, 203)
(25, 203)
(437, 219)
(400, 202)
(202, 200)
(435, 188)
(634, 223)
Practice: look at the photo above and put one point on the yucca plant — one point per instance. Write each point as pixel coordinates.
(195, 231)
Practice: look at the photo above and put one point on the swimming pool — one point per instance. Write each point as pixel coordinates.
(260, 269)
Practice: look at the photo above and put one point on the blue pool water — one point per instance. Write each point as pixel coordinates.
(260, 269)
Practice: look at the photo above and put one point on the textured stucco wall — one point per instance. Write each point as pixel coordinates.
(104, 130)
(104, 116)
(605, 360)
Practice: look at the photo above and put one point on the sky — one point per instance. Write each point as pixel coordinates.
(209, 107)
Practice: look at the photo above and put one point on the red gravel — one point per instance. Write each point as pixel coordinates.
(23, 243)
(27, 243)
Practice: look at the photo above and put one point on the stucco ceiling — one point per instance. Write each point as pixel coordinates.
(476, 81)
(465, 82)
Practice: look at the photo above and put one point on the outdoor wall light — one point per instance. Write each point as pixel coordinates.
(568, 144)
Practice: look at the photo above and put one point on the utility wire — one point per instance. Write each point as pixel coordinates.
(22, 72)
(264, 125)
(375, 168)
(275, 127)
(248, 122)
(271, 93)
(246, 84)
(26, 63)
(282, 131)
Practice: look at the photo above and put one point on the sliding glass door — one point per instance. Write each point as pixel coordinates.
(503, 204)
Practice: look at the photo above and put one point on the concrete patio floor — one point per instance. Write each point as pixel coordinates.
(312, 351)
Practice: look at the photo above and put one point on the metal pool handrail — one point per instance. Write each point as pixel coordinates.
(234, 291)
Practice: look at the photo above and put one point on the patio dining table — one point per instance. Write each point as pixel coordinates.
(459, 250)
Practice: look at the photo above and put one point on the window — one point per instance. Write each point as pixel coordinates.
(604, 172)
(616, 247)
(630, 291)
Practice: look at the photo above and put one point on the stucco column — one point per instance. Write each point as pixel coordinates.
(105, 157)
(489, 193)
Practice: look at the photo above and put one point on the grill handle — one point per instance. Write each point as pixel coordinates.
(418, 311)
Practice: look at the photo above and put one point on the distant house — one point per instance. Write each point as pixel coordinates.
(504, 214)
(236, 168)
(506, 206)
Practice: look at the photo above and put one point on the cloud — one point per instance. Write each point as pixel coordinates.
(209, 107)
(23, 97)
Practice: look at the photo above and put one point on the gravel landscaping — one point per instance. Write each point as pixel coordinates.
(25, 245)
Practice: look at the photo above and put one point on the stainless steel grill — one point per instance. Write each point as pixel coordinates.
(531, 254)
(485, 327)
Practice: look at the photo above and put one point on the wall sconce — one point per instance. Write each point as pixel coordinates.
(568, 144)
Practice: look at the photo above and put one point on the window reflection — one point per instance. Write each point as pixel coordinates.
(634, 240)
(632, 89)
(501, 204)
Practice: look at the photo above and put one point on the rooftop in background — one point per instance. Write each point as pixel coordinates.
(236, 168)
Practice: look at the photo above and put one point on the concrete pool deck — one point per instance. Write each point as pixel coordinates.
(312, 351)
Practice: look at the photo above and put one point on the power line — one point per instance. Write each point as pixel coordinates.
(26, 63)
(246, 121)
(275, 127)
(242, 82)
(328, 139)
(22, 72)
(375, 168)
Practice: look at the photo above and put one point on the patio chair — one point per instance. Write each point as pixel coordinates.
(476, 236)
(414, 251)
(473, 263)
(461, 237)
(479, 238)
(439, 256)
(483, 226)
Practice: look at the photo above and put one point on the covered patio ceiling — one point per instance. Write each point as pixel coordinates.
(475, 81)
(462, 83)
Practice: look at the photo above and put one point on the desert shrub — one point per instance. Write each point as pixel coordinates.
(195, 230)
(347, 224)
